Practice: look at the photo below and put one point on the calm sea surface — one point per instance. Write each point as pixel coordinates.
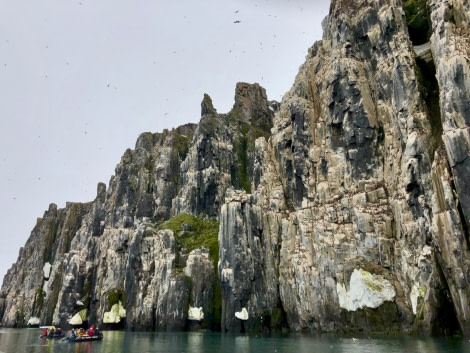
(28, 341)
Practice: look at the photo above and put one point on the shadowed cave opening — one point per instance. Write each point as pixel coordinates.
(445, 323)
(418, 21)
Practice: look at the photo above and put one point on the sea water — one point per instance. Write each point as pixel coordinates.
(28, 341)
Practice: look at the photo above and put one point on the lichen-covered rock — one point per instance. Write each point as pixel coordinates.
(115, 315)
(365, 290)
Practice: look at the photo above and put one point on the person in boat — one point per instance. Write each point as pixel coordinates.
(72, 334)
(50, 332)
(91, 330)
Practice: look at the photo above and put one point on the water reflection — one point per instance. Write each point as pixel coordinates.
(28, 341)
(9, 338)
(242, 343)
(79, 347)
(196, 342)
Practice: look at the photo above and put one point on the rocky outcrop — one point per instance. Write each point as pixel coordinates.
(344, 208)
(28, 290)
(119, 249)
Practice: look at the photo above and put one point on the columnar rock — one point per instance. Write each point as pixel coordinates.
(450, 44)
(351, 177)
(248, 265)
(31, 287)
(222, 153)
(116, 249)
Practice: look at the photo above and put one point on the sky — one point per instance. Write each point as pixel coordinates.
(80, 80)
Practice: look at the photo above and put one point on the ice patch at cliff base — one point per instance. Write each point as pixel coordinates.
(365, 289)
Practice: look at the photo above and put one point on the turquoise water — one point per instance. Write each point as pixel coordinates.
(28, 341)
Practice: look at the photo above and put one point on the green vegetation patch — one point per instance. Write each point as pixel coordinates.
(429, 89)
(115, 296)
(51, 229)
(149, 164)
(38, 302)
(181, 143)
(244, 147)
(417, 20)
(192, 233)
(241, 149)
(53, 296)
(83, 314)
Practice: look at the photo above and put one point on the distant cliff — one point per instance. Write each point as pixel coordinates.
(343, 208)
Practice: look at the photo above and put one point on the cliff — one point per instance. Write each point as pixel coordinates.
(343, 208)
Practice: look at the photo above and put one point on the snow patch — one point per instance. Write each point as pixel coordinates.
(365, 289)
(227, 275)
(79, 317)
(416, 292)
(33, 321)
(47, 270)
(242, 315)
(76, 320)
(115, 315)
(195, 313)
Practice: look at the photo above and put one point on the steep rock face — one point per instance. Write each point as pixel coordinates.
(249, 265)
(451, 49)
(348, 179)
(31, 287)
(152, 284)
(345, 208)
(222, 153)
(450, 44)
(118, 248)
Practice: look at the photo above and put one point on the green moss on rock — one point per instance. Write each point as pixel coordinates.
(53, 296)
(181, 143)
(192, 233)
(244, 148)
(38, 302)
(417, 20)
(115, 296)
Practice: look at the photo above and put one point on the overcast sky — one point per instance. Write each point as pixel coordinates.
(81, 79)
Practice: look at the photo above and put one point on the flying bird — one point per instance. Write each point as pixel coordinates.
(237, 21)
